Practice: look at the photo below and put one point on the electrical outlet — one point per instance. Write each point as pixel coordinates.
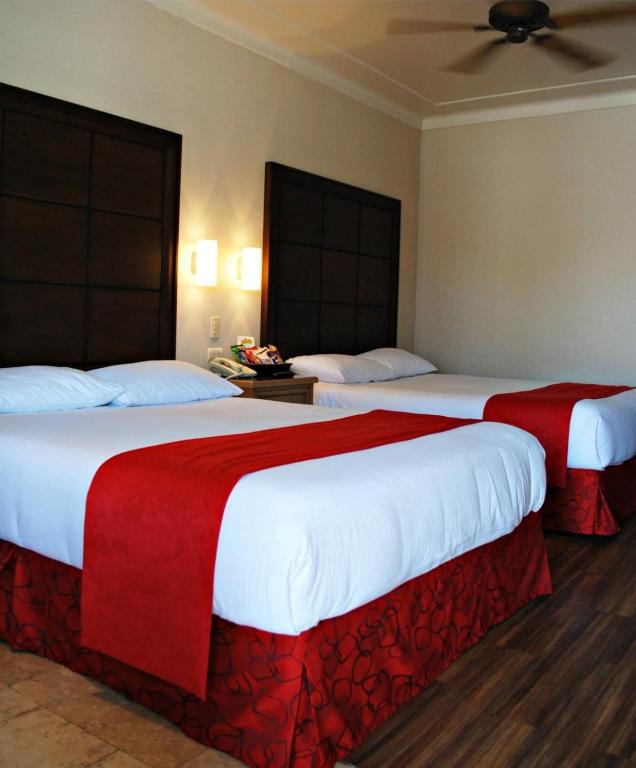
(214, 352)
(215, 327)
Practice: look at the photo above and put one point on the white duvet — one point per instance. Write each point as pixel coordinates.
(602, 432)
(299, 543)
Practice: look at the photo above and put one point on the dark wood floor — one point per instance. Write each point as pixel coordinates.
(554, 686)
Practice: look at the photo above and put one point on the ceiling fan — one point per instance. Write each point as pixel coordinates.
(520, 21)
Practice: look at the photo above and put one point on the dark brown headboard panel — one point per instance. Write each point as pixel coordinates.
(330, 265)
(88, 234)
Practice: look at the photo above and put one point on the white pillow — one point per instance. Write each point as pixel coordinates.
(162, 382)
(401, 362)
(32, 388)
(340, 369)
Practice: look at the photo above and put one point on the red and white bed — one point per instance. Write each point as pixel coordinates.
(600, 488)
(343, 585)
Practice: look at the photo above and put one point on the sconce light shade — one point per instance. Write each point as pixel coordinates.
(251, 265)
(205, 265)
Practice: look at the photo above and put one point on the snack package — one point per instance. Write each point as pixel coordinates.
(250, 355)
(236, 353)
(275, 355)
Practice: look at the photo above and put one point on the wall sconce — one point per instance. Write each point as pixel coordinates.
(250, 266)
(205, 262)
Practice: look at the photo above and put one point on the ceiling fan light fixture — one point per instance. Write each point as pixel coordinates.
(517, 33)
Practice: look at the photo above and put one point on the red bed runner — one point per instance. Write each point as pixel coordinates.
(546, 413)
(153, 517)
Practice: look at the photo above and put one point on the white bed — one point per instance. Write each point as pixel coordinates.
(602, 432)
(299, 543)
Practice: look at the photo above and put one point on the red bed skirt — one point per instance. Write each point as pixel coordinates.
(276, 701)
(592, 502)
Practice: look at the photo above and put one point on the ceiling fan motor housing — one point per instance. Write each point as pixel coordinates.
(518, 18)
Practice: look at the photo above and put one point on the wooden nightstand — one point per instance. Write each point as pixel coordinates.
(299, 389)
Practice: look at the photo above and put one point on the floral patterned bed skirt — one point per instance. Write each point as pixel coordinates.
(277, 701)
(592, 502)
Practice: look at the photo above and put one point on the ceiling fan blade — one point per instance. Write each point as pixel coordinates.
(596, 14)
(417, 26)
(477, 59)
(577, 55)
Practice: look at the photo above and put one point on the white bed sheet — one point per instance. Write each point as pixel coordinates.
(298, 543)
(602, 432)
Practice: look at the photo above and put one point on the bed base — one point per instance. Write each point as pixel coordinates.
(277, 701)
(592, 502)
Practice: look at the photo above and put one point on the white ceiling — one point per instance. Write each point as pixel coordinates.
(345, 44)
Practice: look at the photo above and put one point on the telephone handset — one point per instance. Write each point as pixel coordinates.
(230, 369)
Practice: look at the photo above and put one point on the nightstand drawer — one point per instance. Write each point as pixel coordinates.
(303, 396)
(299, 389)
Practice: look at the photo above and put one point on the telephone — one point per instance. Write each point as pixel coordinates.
(230, 369)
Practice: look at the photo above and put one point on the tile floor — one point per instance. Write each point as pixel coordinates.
(51, 717)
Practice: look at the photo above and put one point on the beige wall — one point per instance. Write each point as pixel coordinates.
(235, 110)
(528, 247)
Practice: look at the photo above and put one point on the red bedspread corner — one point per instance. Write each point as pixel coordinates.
(546, 413)
(153, 519)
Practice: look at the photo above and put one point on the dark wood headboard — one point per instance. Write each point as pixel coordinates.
(89, 207)
(330, 265)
